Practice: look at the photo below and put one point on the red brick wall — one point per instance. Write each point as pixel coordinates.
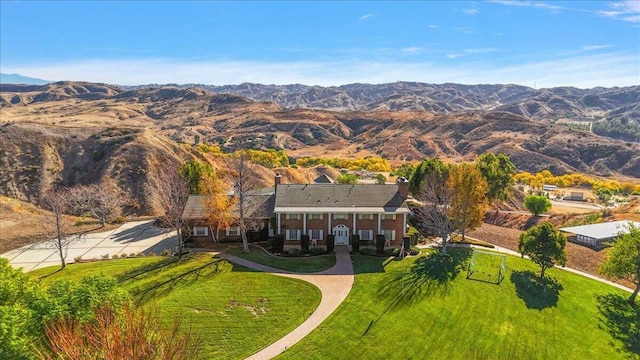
(364, 224)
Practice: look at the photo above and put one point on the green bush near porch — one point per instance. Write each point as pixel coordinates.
(308, 264)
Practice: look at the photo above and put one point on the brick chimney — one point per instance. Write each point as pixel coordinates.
(278, 180)
(403, 187)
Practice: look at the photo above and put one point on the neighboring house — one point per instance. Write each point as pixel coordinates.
(324, 179)
(576, 196)
(595, 235)
(319, 210)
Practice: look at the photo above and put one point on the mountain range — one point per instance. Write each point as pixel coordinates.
(88, 132)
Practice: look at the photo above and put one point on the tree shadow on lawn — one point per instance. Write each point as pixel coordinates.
(537, 293)
(621, 319)
(156, 290)
(430, 275)
(147, 268)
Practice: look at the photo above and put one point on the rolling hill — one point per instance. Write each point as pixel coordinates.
(89, 132)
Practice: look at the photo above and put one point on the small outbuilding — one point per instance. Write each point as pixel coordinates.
(594, 235)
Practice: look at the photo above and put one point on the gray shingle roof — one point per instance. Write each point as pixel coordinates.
(258, 205)
(374, 198)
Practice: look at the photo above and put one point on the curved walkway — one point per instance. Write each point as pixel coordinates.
(334, 284)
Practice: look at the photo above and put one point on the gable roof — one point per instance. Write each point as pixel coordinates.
(602, 230)
(339, 198)
(257, 205)
(324, 179)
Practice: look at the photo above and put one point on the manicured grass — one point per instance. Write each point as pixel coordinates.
(425, 308)
(298, 264)
(233, 310)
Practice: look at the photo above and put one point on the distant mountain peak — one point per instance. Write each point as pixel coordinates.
(20, 79)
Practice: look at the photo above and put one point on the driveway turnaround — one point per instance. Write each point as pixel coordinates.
(132, 237)
(334, 284)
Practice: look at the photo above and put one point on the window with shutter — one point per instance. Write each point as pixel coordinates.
(365, 234)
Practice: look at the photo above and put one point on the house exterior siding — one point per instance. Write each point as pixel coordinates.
(300, 209)
(328, 222)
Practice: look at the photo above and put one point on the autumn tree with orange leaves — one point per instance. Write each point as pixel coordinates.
(218, 204)
(469, 197)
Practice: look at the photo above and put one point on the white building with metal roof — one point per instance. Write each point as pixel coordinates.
(595, 234)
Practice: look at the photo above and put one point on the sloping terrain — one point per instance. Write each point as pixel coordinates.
(78, 133)
(194, 115)
(606, 105)
(34, 157)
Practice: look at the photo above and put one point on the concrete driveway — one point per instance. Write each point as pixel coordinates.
(131, 237)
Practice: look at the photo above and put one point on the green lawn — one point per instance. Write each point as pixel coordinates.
(296, 264)
(424, 308)
(235, 311)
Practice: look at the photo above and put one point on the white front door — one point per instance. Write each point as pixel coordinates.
(341, 233)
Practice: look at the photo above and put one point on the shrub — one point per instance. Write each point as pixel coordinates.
(165, 252)
(77, 258)
(414, 251)
(392, 252)
(118, 220)
(132, 255)
(368, 252)
(278, 244)
(104, 256)
(330, 243)
(380, 244)
(293, 251)
(317, 251)
(127, 333)
(355, 243)
(304, 244)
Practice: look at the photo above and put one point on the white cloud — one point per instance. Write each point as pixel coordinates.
(364, 18)
(472, 11)
(433, 26)
(480, 50)
(628, 10)
(529, 4)
(465, 30)
(411, 50)
(609, 69)
(453, 56)
(595, 47)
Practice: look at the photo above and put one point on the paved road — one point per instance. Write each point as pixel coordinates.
(334, 284)
(131, 237)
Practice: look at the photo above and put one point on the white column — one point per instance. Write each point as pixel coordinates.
(278, 218)
(404, 225)
(329, 229)
(304, 223)
(379, 224)
(354, 230)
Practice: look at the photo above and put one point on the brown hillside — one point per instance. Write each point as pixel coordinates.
(35, 157)
(194, 115)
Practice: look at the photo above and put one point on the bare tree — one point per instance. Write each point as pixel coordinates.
(173, 193)
(245, 182)
(435, 212)
(57, 201)
(104, 202)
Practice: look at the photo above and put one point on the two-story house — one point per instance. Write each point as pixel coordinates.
(319, 210)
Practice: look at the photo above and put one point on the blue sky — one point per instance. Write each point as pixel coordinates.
(533, 43)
